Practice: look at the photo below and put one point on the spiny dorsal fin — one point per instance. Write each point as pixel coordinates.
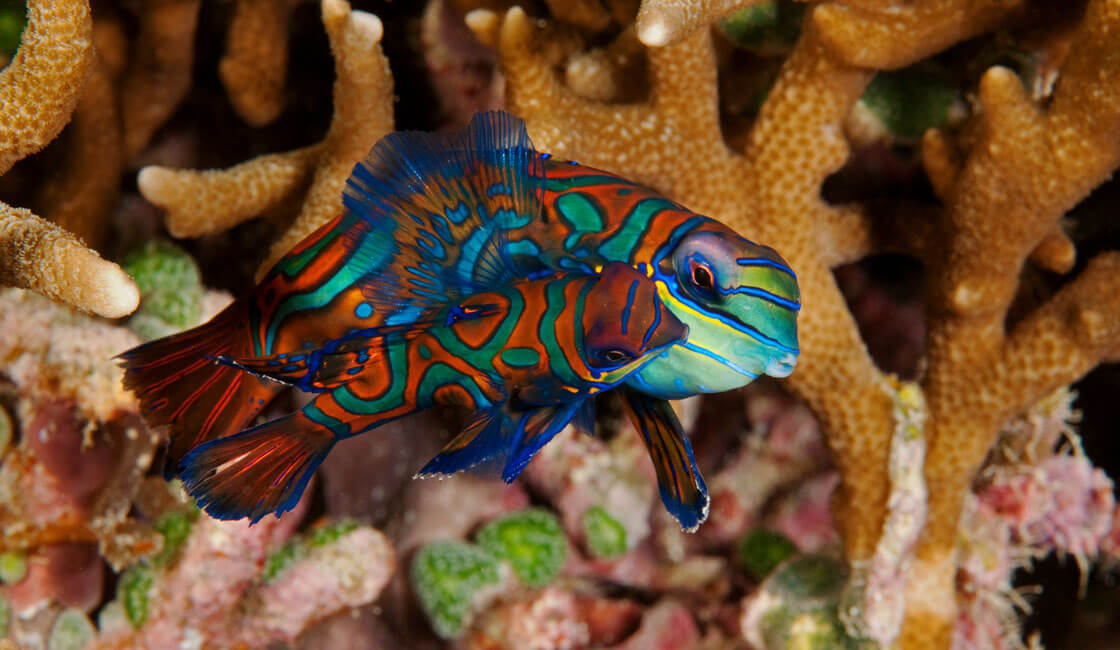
(449, 197)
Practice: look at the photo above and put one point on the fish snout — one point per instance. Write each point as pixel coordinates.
(781, 366)
(669, 331)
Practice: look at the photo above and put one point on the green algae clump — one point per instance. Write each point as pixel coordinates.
(605, 536)
(13, 567)
(175, 528)
(332, 532)
(796, 607)
(769, 28)
(295, 550)
(279, 560)
(445, 576)
(761, 550)
(170, 289)
(909, 101)
(13, 18)
(531, 540)
(5, 616)
(133, 589)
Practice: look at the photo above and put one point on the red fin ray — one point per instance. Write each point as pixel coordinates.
(259, 471)
(198, 398)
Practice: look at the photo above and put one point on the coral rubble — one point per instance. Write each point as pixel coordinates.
(216, 593)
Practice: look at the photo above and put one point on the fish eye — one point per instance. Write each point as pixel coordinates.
(613, 356)
(702, 278)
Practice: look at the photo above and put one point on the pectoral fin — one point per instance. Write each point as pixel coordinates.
(584, 419)
(682, 488)
(498, 442)
(480, 448)
(535, 429)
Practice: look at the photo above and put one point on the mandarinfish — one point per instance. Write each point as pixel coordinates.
(433, 219)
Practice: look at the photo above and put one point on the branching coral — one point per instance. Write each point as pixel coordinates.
(1002, 203)
(1002, 179)
(159, 71)
(38, 91)
(38, 255)
(256, 58)
(80, 196)
(202, 202)
(665, 22)
(41, 87)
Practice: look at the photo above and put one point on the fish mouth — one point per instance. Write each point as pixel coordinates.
(781, 366)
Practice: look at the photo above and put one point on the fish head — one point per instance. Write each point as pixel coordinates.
(740, 301)
(625, 322)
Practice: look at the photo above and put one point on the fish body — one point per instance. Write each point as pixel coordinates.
(433, 218)
(739, 299)
(526, 358)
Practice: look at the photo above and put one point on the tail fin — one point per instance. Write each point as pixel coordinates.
(259, 471)
(179, 385)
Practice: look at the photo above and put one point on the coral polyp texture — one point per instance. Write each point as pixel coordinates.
(39, 90)
(936, 173)
(203, 202)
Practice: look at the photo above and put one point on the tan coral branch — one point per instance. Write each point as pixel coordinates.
(649, 142)
(43, 83)
(208, 201)
(611, 73)
(812, 95)
(674, 143)
(159, 72)
(941, 162)
(203, 202)
(1065, 338)
(38, 255)
(892, 36)
(665, 22)
(363, 113)
(256, 58)
(1028, 167)
(587, 14)
(1055, 252)
(774, 195)
(80, 195)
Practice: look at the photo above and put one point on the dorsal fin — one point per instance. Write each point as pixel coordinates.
(450, 197)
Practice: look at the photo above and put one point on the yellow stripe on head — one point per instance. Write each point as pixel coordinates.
(674, 304)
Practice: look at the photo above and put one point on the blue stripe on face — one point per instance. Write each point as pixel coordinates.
(653, 326)
(629, 304)
(762, 261)
(688, 345)
(715, 314)
(762, 294)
